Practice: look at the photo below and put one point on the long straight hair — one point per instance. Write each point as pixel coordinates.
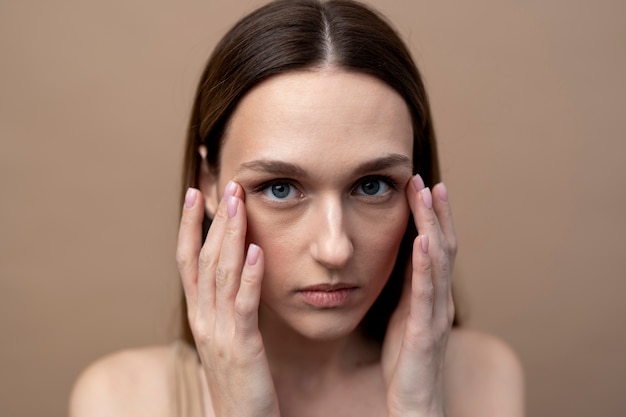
(298, 35)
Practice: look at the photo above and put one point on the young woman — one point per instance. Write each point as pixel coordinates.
(310, 164)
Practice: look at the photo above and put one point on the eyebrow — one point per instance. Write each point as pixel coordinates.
(287, 169)
(385, 162)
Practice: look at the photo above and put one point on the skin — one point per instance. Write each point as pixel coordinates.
(264, 349)
(325, 229)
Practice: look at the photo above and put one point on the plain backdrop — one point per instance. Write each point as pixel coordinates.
(529, 103)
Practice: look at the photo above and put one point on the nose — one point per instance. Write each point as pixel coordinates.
(331, 245)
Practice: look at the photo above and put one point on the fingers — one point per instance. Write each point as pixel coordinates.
(189, 243)
(210, 254)
(441, 206)
(230, 263)
(249, 294)
(428, 223)
(224, 292)
(444, 215)
(423, 291)
(211, 273)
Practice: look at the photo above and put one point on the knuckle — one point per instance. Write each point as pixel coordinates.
(222, 276)
(182, 261)
(419, 338)
(427, 293)
(425, 265)
(200, 330)
(206, 260)
(186, 220)
(231, 230)
(243, 309)
(442, 259)
(431, 221)
(248, 279)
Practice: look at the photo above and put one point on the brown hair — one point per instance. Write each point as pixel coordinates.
(297, 35)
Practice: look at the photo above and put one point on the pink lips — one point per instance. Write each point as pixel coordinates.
(327, 295)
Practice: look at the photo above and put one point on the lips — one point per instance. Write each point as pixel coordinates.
(328, 287)
(327, 295)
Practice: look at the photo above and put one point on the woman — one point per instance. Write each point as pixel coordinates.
(310, 161)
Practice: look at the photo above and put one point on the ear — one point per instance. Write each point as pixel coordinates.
(208, 183)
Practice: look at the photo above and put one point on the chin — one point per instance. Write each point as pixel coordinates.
(326, 330)
(320, 325)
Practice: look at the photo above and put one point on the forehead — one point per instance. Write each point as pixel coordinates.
(320, 117)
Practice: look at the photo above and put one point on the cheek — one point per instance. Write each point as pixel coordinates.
(380, 241)
(279, 235)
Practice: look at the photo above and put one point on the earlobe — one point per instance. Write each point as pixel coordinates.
(208, 183)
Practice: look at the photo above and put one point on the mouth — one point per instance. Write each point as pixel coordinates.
(327, 295)
(328, 287)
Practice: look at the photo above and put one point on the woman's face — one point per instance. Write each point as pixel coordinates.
(323, 157)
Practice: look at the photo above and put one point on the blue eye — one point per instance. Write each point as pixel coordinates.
(372, 187)
(280, 191)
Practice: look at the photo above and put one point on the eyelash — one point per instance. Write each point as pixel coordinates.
(259, 189)
(390, 182)
(384, 178)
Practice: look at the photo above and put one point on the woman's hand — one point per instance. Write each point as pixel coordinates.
(416, 339)
(223, 290)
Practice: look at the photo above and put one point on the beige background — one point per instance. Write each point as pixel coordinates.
(529, 102)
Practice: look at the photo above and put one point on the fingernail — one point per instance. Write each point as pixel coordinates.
(443, 191)
(427, 198)
(230, 189)
(231, 206)
(190, 198)
(418, 182)
(424, 243)
(253, 254)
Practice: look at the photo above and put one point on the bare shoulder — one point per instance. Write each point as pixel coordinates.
(484, 376)
(129, 382)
